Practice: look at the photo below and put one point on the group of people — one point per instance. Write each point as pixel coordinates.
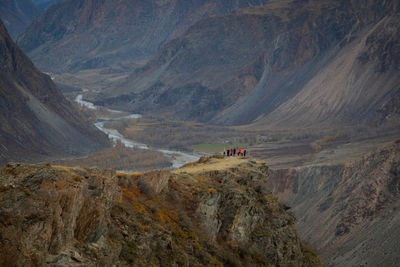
(235, 151)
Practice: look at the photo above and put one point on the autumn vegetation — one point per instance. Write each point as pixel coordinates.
(121, 157)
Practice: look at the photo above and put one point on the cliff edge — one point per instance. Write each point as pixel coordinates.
(217, 211)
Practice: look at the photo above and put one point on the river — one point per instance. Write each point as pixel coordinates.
(178, 158)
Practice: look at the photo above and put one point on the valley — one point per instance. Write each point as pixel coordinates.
(297, 159)
(177, 158)
(115, 117)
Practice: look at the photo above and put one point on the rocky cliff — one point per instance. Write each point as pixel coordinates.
(283, 64)
(213, 212)
(79, 34)
(36, 121)
(349, 212)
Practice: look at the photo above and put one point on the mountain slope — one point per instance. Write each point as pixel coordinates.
(355, 85)
(36, 121)
(78, 34)
(17, 15)
(72, 216)
(286, 63)
(44, 4)
(349, 212)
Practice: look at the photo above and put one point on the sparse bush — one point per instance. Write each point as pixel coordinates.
(77, 178)
(145, 188)
(5, 187)
(27, 192)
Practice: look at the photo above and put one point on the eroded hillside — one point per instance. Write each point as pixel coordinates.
(213, 212)
(348, 212)
(76, 35)
(17, 15)
(284, 64)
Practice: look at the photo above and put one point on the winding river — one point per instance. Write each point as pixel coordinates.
(178, 158)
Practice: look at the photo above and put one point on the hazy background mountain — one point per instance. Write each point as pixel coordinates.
(77, 34)
(303, 63)
(17, 15)
(36, 121)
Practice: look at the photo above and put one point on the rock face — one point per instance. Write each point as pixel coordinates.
(47, 213)
(286, 64)
(36, 121)
(80, 34)
(348, 213)
(212, 212)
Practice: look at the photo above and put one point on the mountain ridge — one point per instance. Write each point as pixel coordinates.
(37, 121)
(75, 34)
(220, 72)
(17, 15)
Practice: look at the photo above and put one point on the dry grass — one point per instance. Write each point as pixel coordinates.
(213, 164)
(121, 158)
(173, 134)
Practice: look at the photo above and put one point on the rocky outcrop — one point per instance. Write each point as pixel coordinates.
(49, 216)
(216, 211)
(349, 213)
(36, 121)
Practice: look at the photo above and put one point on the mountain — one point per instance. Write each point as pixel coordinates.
(222, 215)
(45, 4)
(17, 15)
(348, 212)
(283, 64)
(36, 121)
(83, 34)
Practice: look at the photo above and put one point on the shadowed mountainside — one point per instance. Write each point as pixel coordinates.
(283, 64)
(36, 121)
(348, 212)
(214, 212)
(84, 34)
(17, 15)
